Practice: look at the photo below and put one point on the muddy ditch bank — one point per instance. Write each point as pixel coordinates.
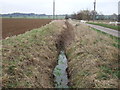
(65, 38)
(28, 60)
(60, 73)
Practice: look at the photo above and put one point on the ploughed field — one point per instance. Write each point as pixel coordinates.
(12, 27)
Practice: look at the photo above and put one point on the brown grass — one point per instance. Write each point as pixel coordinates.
(93, 60)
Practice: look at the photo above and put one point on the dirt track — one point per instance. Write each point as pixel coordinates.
(106, 30)
(12, 27)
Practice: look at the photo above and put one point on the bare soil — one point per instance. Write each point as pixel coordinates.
(12, 27)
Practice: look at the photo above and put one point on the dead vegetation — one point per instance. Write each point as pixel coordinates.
(93, 60)
(28, 60)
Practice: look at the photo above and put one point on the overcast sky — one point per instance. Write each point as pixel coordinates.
(62, 6)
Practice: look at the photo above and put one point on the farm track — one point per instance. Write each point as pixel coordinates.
(106, 30)
(12, 27)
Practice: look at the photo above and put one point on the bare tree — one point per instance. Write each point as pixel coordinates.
(114, 17)
(83, 15)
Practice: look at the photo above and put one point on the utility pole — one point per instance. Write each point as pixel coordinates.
(53, 9)
(94, 10)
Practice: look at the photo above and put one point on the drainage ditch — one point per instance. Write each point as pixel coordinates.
(60, 71)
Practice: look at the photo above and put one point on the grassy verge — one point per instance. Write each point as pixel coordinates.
(29, 59)
(93, 59)
(116, 39)
(106, 25)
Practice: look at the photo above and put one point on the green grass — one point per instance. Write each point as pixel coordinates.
(109, 71)
(103, 76)
(116, 39)
(106, 25)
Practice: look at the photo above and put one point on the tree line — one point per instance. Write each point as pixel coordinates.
(89, 15)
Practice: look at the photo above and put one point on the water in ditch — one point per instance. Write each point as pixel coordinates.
(60, 73)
